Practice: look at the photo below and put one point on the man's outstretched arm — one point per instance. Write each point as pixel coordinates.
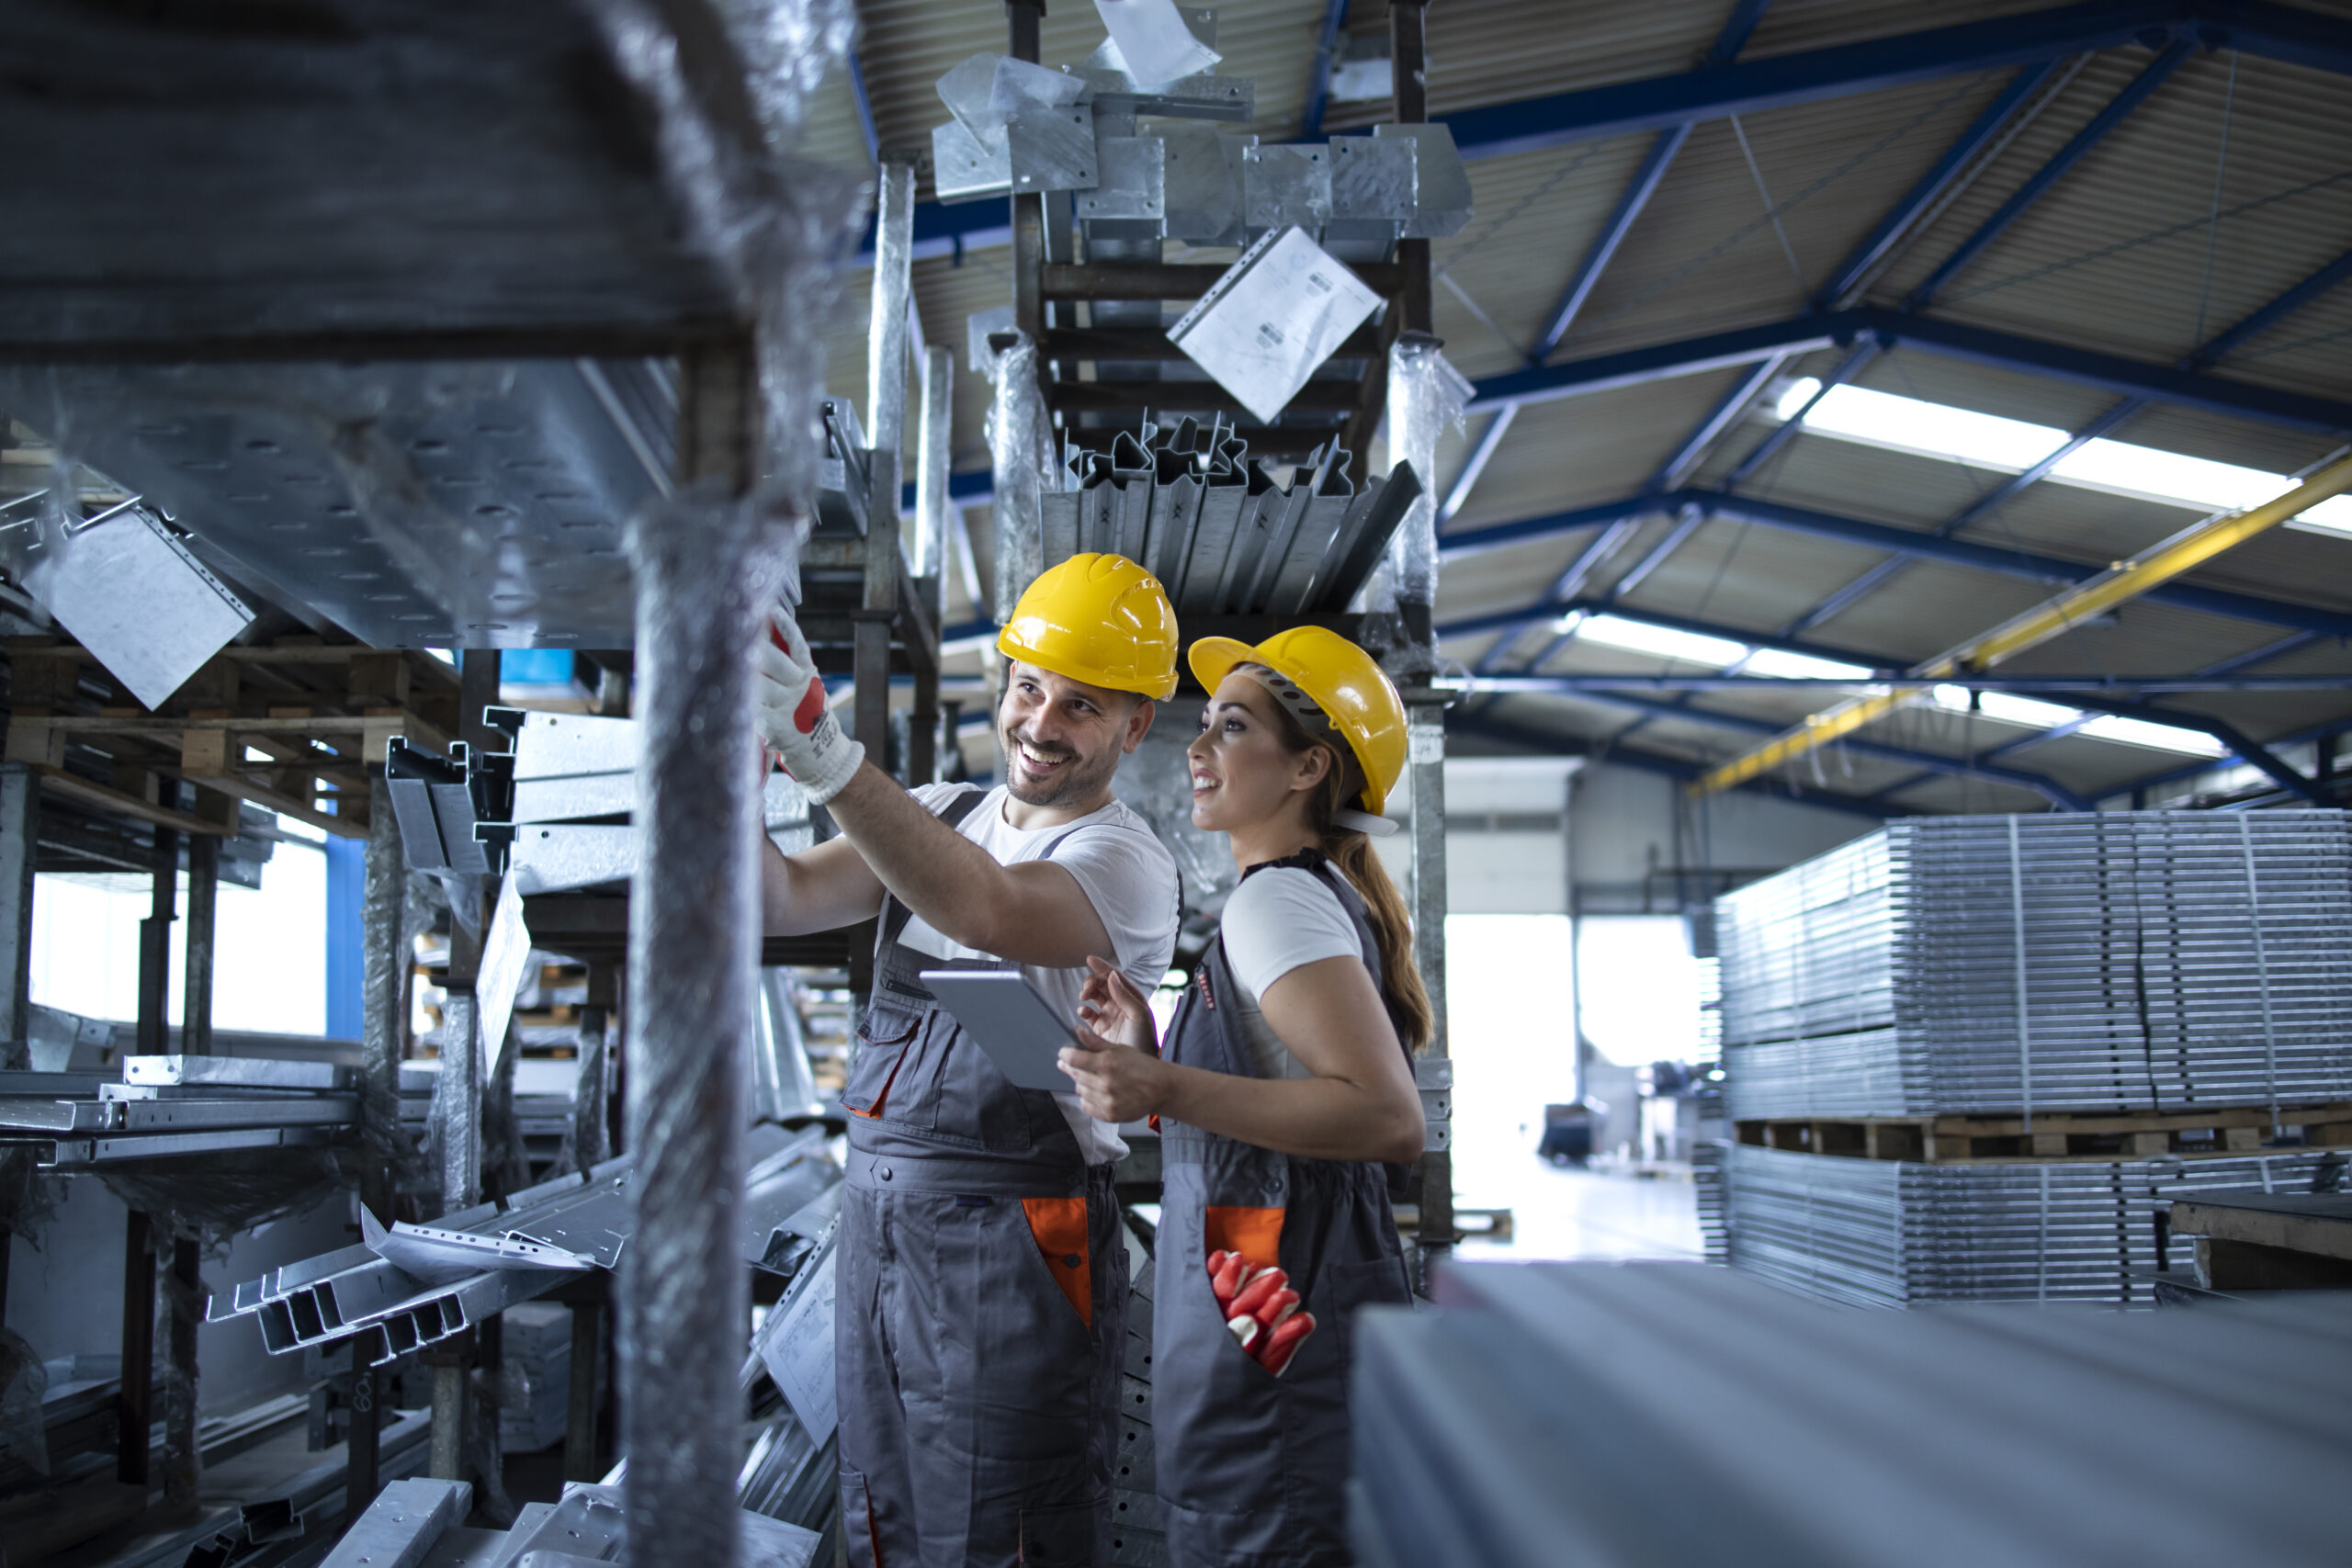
(1032, 913)
(819, 889)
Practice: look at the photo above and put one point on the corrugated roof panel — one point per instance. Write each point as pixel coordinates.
(1581, 451)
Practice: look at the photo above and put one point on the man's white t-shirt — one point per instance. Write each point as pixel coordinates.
(1124, 871)
(1277, 920)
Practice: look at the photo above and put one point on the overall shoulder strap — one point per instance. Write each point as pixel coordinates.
(896, 914)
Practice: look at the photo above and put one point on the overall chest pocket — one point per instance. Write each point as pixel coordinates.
(886, 1052)
(920, 1073)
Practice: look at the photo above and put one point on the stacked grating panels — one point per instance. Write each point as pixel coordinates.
(2157, 961)
(1190, 505)
(1632, 1416)
(1890, 1234)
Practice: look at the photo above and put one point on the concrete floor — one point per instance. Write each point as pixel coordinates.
(1561, 1214)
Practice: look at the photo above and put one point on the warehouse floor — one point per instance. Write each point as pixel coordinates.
(1560, 1213)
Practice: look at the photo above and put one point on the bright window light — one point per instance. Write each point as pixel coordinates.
(1640, 636)
(1988, 441)
(2159, 737)
(1800, 666)
(2006, 706)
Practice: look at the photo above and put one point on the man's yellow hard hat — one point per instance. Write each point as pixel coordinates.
(1097, 618)
(1346, 683)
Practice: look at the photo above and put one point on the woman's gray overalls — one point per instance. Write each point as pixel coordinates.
(1252, 1469)
(981, 1311)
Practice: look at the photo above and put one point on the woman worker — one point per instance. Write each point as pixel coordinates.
(1285, 1082)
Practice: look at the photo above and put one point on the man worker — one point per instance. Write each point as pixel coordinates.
(980, 1319)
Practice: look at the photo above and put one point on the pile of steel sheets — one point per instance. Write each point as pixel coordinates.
(2135, 961)
(1889, 1233)
(1224, 538)
(1623, 1416)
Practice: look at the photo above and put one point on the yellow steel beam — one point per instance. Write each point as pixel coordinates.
(2185, 551)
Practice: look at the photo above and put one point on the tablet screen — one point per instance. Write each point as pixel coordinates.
(1017, 1027)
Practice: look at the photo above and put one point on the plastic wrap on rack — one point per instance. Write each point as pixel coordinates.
(1157, 785)
(778, 222)
(24, 1379)
(1426, 396)
(1021, 448)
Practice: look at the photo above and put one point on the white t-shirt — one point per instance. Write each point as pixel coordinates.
(1277, 920)
(1126, 872)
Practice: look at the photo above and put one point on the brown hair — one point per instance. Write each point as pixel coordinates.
(1352, 851)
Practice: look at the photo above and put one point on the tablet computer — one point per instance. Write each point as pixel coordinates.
(1014, 1025)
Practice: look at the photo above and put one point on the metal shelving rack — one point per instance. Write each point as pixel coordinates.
(399, 313)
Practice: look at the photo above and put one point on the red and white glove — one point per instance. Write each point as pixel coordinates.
(1260, 1310)
(793, 720)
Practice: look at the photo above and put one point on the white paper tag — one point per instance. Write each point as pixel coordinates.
(1154, 42)
(505, 950)
(798, 1354)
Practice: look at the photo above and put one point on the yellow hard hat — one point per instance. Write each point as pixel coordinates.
(1346, 683)
(1097, 618)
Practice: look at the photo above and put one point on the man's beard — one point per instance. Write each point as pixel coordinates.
(1080, 779)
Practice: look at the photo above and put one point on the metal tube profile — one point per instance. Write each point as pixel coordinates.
(383, 920)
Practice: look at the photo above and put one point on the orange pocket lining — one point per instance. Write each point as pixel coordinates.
(1059, 1226)
(1256, 1233)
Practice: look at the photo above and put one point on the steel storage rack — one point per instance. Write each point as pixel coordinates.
(1975, 1058)
(445, 325)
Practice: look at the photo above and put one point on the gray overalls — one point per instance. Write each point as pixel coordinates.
(1252, 1469)
(981, 1314)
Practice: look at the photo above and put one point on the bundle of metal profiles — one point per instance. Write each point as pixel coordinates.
(1222, 537)
(1888, 1233)
(296, 1521)
(421, 1524)
(792, 1473)
(354, 1294)
(169, 1106)
(2143, 961)
(1628, 1416)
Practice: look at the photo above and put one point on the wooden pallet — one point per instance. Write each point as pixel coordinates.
(292, 725)
(2071, 1135)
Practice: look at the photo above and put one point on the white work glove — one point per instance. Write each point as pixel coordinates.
(793, 720)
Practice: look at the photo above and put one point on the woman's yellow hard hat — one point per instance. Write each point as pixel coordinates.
(1097, 618)
(1346, 683)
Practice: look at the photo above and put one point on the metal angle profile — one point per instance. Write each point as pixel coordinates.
(1186, 502)
(2140, 961)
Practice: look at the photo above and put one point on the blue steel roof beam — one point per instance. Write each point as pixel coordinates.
(1485, 727)
(864, 115)
(1689, 521)
(2204, 357)
(1852, 274)
(1900, 541)
(1846, 370)
(2326, 730)
(2119, 108)
(1746, 346)
(1476, 464)
(1594, 555)
(1319, 76)
(2088, 685)
(1727, 412)
(2050, 789)
(2273, 31)
(2263, 654)
(1597, 255)
(2244, 746)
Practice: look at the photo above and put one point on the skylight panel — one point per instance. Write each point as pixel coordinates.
(1989, 441)
(1640, 636)
(2006, 706)
(2158, 737)
(1931, 430)
(1801, 666)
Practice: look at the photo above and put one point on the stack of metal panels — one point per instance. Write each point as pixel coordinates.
(1892, 1233)
(1222, 536)
(1621, 1415)
(2141, 961)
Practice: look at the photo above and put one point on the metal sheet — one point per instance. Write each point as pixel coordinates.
(1274, 316)
(1200, 174)
(1286, 185)
(400, 1526)
(133, 595)
(415, 504)
(1052, 148)
(1442, 202)
(1133, 183)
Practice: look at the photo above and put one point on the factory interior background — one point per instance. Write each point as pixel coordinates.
(1855, 499)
